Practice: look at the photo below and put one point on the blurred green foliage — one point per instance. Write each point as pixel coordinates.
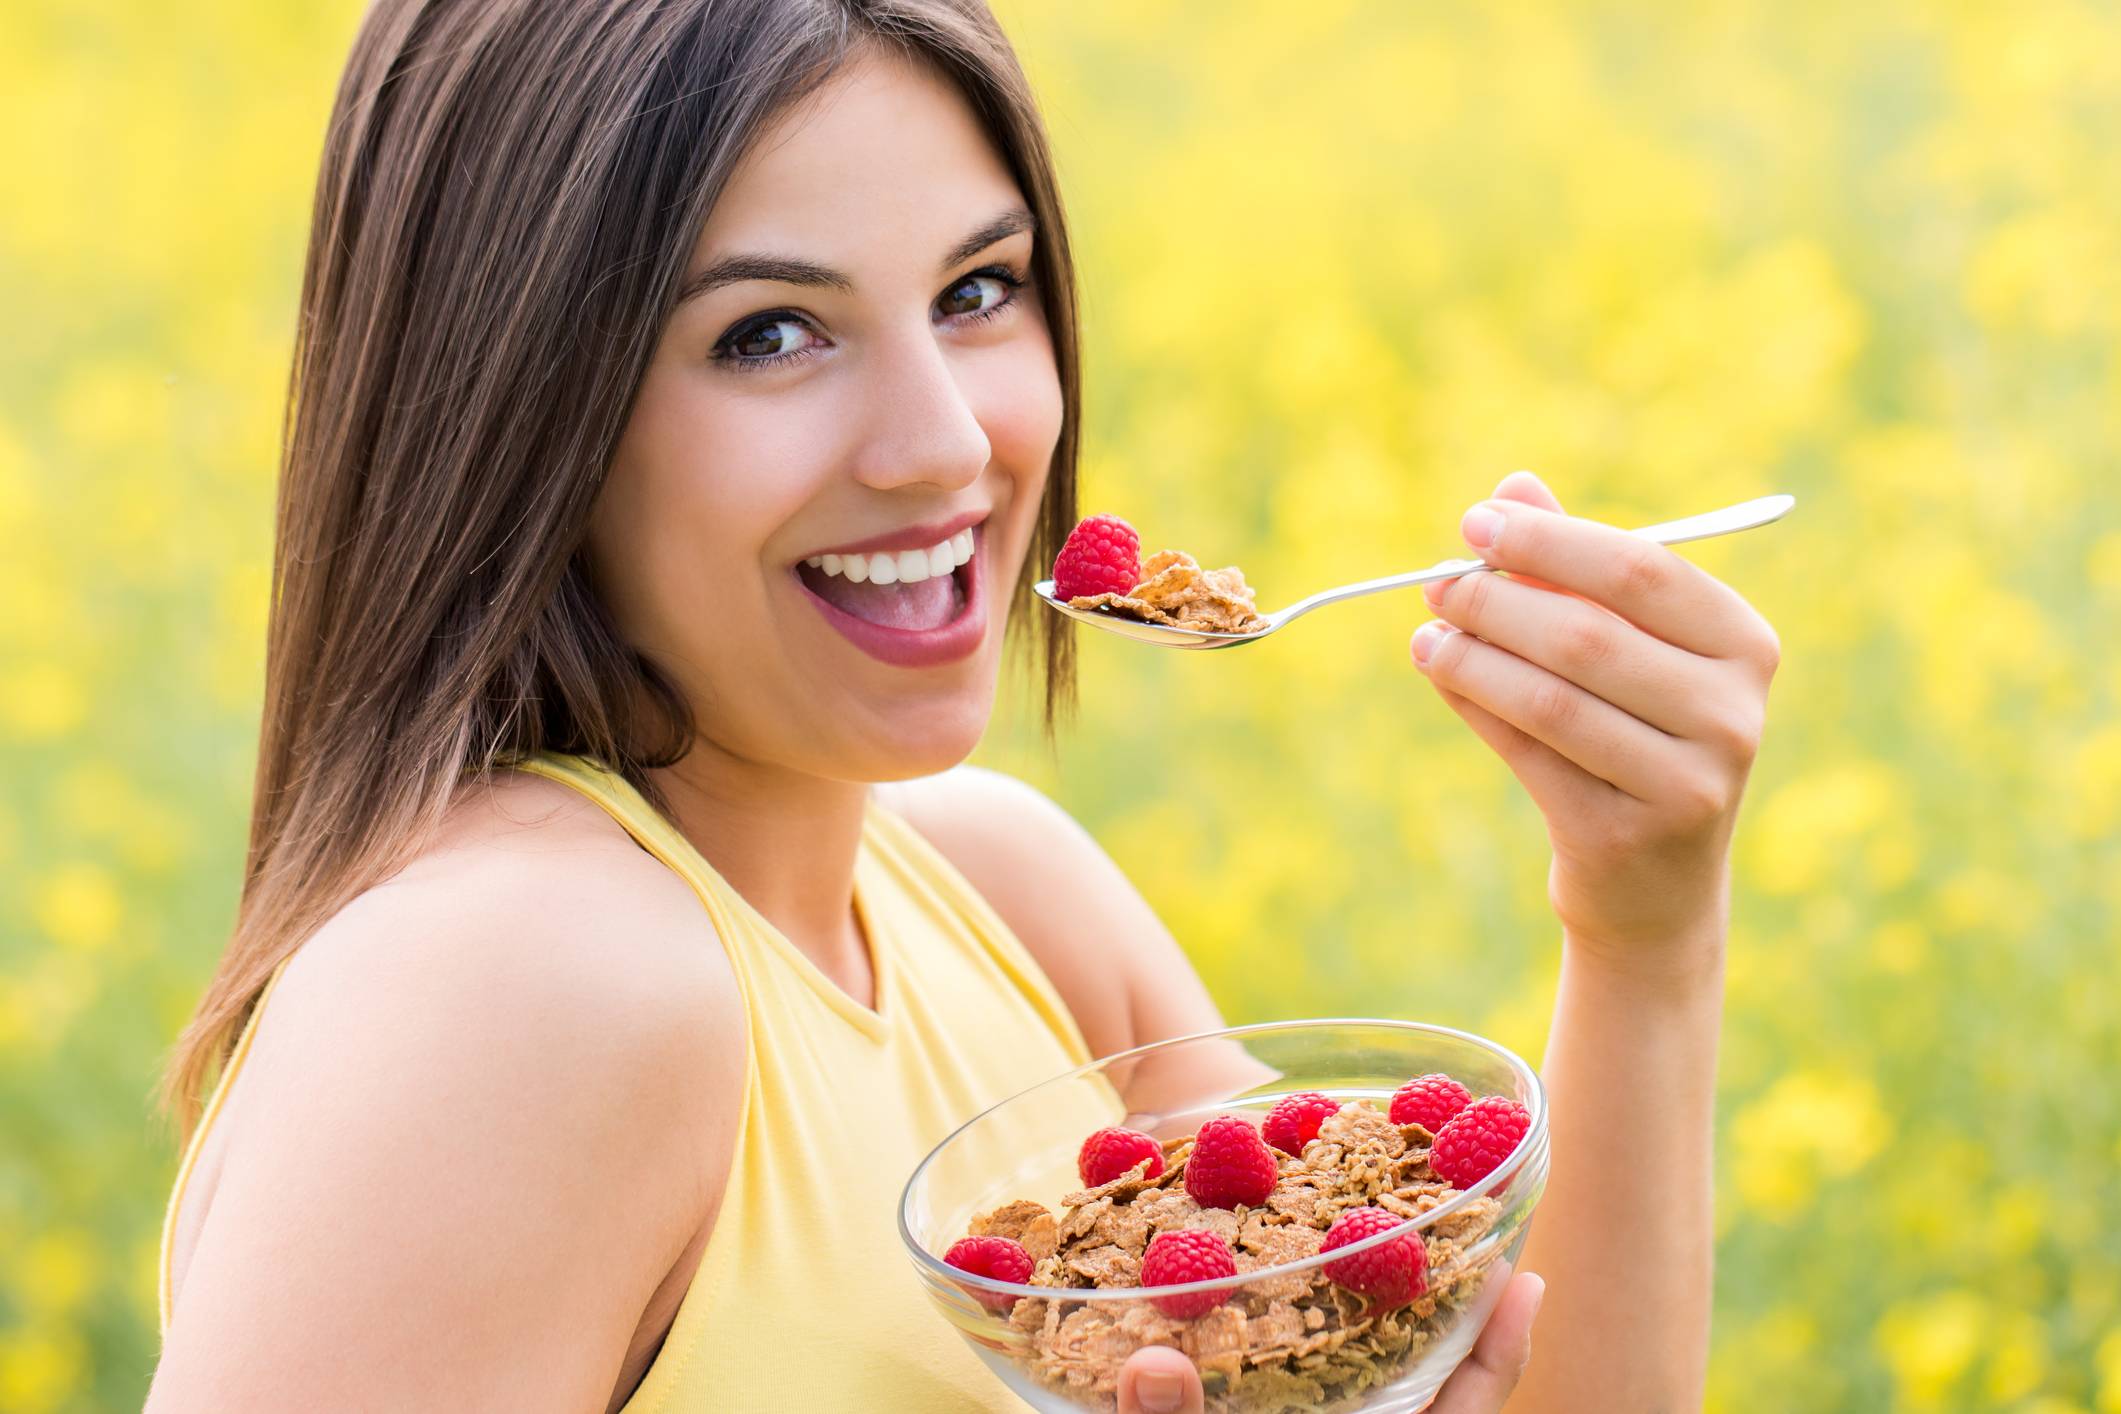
(1344, 266)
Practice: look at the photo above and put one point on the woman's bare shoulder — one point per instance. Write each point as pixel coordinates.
(530, 897)
(532, 943)
(492, 1101)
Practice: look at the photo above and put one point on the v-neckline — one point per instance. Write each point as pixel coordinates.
(679, 854)
(872, 1021)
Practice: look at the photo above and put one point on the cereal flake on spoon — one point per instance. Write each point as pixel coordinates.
(1100, 567)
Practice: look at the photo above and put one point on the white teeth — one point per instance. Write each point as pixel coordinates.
(899, 566)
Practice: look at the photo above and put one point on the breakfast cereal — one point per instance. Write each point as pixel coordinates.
(1176, 591)
(1306, 1341)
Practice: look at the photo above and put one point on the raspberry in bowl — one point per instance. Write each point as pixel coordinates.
(1337, 1267)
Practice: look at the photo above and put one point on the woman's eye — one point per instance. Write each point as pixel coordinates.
(767, 338)
(975, 294)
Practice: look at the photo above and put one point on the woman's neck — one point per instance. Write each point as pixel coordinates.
(785, 841)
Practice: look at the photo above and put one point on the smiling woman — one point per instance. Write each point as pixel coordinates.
(682, 390)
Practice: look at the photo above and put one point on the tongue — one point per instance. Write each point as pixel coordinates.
(929, 604)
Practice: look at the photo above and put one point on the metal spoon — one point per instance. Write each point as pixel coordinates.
(1747, 515)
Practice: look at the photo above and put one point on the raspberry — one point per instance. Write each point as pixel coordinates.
(1002, 1258)
(1109, 1153)
(1473, 1142)
(1390, 1274)
(1175, 1258)
(1294, 1120)
(1102, 555)
(1230, 1166)
(1428, 1101)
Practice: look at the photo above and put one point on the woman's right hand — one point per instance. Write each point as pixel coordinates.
(1160, 1380)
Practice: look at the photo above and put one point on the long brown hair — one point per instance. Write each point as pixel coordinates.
(509, 194)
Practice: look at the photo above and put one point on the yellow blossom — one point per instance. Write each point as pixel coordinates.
(1809, 1125)
(1929, 1342)
(78, 906)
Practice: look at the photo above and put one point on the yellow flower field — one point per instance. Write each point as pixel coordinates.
(1345, 265)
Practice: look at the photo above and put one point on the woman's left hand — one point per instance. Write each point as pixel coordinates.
(1629, 704)
(1159, 1380)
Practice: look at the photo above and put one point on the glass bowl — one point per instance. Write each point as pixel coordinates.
(1060, 1347)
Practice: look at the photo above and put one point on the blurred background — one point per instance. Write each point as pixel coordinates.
(1344, 266)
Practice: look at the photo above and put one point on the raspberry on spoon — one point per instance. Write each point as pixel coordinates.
(1102, 555)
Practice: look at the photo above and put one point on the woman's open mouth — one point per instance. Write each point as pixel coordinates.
(909, 608)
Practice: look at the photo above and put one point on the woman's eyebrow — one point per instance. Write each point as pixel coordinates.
(786, 270)
(1000, 228)
(735, 269)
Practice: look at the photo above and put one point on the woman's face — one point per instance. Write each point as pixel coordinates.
(857, 393)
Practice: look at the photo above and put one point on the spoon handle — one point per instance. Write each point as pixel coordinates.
(1746, 515)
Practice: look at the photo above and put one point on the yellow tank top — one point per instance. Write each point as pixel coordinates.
(804, 1297)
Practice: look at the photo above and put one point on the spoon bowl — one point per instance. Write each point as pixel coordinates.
(1746, 515)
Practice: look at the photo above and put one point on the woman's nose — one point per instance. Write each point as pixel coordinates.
(923, 428)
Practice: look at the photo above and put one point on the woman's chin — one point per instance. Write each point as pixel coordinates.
(935, 745)
(907, 739)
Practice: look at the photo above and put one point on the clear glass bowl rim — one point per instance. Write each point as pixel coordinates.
(1534, 1138)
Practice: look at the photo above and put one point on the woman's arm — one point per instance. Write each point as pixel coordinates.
(1116, 966)
(1623, 1233)
(1631, 715)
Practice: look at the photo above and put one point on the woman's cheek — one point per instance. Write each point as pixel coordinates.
(703, 488)
(1021, 413)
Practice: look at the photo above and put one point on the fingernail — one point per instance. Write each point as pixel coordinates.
(1425, 640)
(1482, 527)
(1160, 1391)
(1435, 590)
(1521, 471)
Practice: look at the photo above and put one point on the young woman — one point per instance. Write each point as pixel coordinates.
(612, 991)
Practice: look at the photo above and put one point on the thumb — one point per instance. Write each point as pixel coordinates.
(1159, 1380)
(1498, 1358)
